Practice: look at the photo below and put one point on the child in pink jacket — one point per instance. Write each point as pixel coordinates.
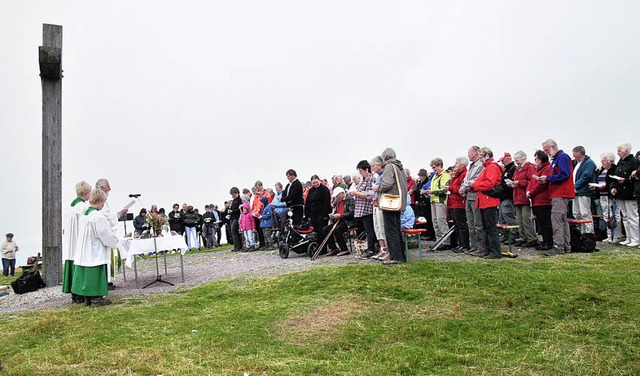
(247, 226)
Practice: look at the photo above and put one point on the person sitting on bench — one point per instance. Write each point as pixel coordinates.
(343, 209)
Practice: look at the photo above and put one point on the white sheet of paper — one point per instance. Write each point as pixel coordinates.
(130, 204)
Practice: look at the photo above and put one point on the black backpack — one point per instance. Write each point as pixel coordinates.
(582, 243)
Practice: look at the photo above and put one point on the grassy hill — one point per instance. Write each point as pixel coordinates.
(573, 314)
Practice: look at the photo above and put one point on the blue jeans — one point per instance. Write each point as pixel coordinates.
(8, 264)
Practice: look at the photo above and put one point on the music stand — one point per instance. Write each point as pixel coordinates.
(158, 276)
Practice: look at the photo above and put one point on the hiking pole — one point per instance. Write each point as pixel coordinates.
(326, 239)
(614, 208)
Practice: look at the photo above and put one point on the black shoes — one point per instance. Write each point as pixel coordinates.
(544, 247)
(554, 251)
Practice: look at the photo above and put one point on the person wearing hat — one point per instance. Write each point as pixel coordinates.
(9, 249)
(342, 217)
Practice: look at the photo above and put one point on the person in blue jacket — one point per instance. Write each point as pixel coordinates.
(583, 175)
(266, 221)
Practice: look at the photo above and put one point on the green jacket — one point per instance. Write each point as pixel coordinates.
(439, 181)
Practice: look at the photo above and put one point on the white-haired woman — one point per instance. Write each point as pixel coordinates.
(521, 177)
(604, 180)
(456, 204)
(393, 182)
(95, 238)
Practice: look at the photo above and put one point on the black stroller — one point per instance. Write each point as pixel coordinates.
(300, 239)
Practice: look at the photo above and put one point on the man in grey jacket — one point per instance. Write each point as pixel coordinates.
(395, 186)
(474, 219)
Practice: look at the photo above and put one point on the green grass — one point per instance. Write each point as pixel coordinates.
(574, 314)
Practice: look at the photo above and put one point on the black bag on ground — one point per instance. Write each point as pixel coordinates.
(27, 282)
(582, 243)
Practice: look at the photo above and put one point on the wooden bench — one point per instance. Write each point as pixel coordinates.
(508, 228)
(411, 232)
(577, 223)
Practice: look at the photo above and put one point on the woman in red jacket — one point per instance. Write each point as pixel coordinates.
(521, 179)
(538, 192)
(456, 204)
(486, 182)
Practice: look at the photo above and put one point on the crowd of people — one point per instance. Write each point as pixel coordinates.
(471, 197)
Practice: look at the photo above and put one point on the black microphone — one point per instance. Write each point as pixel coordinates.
(135, 195)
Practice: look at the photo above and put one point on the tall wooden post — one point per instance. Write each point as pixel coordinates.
(50, 58)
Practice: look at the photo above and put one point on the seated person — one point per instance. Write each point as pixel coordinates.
(343, 209)
(407, 217)
(140, 222)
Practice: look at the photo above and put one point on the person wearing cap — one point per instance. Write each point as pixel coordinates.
(9, 249)
(507, 210)
(70, 236)
(342, 217)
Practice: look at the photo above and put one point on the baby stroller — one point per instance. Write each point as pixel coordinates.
(300, 239)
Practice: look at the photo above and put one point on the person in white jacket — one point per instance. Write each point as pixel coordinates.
(95, 239)
(70, 236)
(103, 184)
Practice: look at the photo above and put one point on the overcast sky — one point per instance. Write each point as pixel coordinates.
(180, 101)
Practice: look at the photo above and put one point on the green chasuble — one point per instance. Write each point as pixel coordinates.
(67, 276)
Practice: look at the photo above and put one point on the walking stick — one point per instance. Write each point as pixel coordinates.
(614, 208)
(326, 239)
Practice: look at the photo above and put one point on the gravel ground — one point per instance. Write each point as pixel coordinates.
(200, 268)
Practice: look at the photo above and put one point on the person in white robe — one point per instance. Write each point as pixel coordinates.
(103, 184)
(95, 239)
(70, 236)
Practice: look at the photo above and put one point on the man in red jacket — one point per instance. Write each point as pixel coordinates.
(561, 190)
(490, 176)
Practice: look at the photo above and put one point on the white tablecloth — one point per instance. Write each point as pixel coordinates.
(133, 247)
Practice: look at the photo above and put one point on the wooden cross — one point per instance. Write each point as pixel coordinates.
(50, 59)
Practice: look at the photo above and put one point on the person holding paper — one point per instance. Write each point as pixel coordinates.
(112, 218)
(521, 178)
(561, 191)
(583, 174)
(603, 186)
(622, 191)
(95, 238)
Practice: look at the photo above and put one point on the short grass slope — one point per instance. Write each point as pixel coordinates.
(576, 314)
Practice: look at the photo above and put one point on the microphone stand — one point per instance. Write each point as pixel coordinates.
(152, 232)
